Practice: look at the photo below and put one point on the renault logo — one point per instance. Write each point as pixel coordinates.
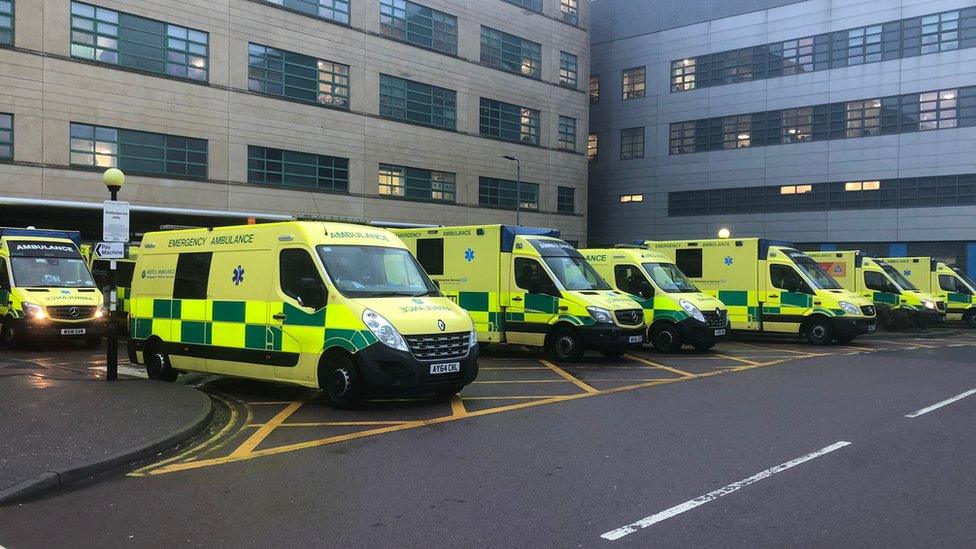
(441, 325)
(73, 312)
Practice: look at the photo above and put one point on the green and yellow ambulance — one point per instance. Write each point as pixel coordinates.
(676, 312)
(899, 303)
(46, 289)
(947, 283)
(768, 286)
(525, 286)
(337, 306)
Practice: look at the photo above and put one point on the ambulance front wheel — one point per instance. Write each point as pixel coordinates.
(341, 381)
(157, 363)
(970, 318)
(9, 334)
(665, 337)
(565, 345)
(819, 331)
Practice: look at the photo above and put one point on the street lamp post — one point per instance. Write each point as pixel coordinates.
(113, 179)
(518, 188)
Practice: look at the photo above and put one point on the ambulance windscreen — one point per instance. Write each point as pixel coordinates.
(821, 280)
(50, 272)
(669, 278)
(575, 274)
(899, 278)
(373, 271)
(969, 280)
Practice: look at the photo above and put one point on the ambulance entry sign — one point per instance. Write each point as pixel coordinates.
(115, 221)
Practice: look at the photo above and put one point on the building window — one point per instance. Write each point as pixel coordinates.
(510, 53)
(862, 186)
(569, 9)
(565, 200)
(118, 38)
(532, 5)
(863, 118)
(796, 189)
(682, 138)
(420, 25)
(567, 69)
(797, 124)
(138, 152)
(333, 10)
(625, 198)
(683, 75)
(594, 89)
(736, 132)
(842, 48)
(937, 110)
(567, 133)
(633, 81)
(7, 22)
(297, 76)
(6, 136)
(632, 143)
(509, 122)
(416, 184)
(502, 193)
(417, 103)
(297, 169)
(592, 147)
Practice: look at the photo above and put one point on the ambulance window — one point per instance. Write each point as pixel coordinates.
(430, 254)
(786, 278)
(300, 280)
(877, 282)
(949, 284)
(689, 262)
(4, 277)
(192, 272)
(531, 277)
(123, 273)
(631, 280)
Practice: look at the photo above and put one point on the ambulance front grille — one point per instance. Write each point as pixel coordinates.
(716, 319)
(439, 346)
(630, 317)
(70, 312)
(941, 306)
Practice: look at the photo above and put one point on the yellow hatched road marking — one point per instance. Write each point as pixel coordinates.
(262, 433)
(661, 366)
(507, 381)
(332, 424)
(737, 359)
(569, 377)
(529, 397)
(457, 407)
(768, 348)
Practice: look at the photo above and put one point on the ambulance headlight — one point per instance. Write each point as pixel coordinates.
(473, 338)
(692, 310)
(384, 331)
(33, 312)
(600, 315)
(849, 308)
(101, 311)
(928, 304)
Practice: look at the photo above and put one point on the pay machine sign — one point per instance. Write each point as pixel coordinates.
(110, 250)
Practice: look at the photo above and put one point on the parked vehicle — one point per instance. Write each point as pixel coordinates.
(948, 283)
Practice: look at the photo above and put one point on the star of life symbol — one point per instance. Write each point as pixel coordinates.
(238, 275)
(469, 255)
(728, 261)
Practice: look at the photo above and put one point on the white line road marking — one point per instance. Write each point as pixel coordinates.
(938, 405)
(702, 500)
(124, 370)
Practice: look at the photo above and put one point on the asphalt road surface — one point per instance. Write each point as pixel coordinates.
(811, 451)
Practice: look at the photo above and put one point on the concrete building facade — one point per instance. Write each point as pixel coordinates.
(381, 109)
(829, 123)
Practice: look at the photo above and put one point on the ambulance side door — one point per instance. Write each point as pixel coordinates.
(956, 295)
(630, 279)
(296, 322)
(879, 289)
(533, 301)
(787, 297)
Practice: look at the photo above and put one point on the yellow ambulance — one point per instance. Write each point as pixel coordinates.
(899, 303)
(525, 286)
(768, 286)
(946, 282)
(676, 312)
(123, 278)
(337, 306)
(46, 289)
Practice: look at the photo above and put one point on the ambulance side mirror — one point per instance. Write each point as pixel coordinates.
(645, 289)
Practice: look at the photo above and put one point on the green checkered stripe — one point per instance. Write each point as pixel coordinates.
(659, 308)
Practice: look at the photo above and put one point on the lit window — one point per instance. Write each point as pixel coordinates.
(634, 82)
(592, 147)
(570, 11)
(510, 53)
(416, 184)
(568, 70)
(594, 89)
(683, 75)
(296, 76)
(624, 198)
(137, 151)
(796, 189)
(862, 186)
(798, 56)
(863, 118)
(796, 125)
(937, 110)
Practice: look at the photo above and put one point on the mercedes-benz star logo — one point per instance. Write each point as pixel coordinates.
(441, 325)
(73, 312)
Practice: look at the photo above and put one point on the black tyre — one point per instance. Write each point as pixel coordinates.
(819, 331)
(665, 337)
(970, 318)
(341, 382)
(10, 334)
(565, 345)
(92, 342)
(613, 352)
(702, 347)
(157, 363)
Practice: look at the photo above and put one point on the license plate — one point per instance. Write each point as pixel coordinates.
(635, 339)
(872, 327)
(719, 333)
(446, 368)
(72, 331)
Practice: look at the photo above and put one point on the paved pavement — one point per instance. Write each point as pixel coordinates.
(719, 459)
(62, 424)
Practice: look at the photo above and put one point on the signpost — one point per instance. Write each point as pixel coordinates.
(115, 233)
